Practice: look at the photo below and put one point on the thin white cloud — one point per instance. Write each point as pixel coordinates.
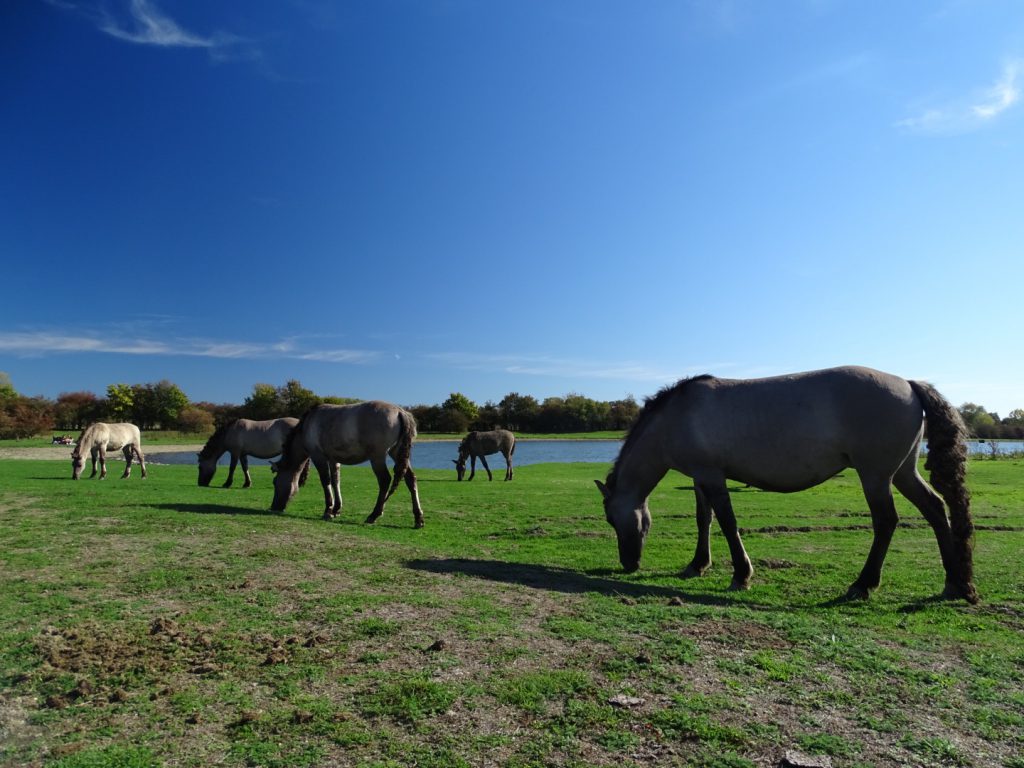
(562, 367)
(149, 26)
(1001, 96)
(972, 113)
(42, 343)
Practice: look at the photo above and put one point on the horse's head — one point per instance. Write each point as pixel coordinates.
(77, 465)
(460, 466)
(207, 468)
(631, 522)
(286, 483)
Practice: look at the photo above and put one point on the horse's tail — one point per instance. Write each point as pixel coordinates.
(947, 465)
(403, 448)
(512, 450)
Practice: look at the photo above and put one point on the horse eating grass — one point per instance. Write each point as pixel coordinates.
(330, 435)
(482, 445)
(789, 433)
(243, 438)
(98, 438)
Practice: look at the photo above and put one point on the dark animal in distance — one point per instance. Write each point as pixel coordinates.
(789, 433)
(482, 444)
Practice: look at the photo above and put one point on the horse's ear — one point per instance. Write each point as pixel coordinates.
(602, 488)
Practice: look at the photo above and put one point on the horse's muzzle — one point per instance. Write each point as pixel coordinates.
(630, 566)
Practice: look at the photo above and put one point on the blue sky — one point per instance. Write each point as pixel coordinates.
(398, 200)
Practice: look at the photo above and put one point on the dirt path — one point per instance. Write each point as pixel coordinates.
(63, 452)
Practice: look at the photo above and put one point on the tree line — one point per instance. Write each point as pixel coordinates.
(163, 405)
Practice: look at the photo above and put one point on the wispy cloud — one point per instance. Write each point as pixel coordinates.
(972, 113)
(561, 367)
(42, 343)
(142, 22)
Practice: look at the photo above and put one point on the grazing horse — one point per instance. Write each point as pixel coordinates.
(98, 438)
(331, 435)
(243, 438)
(482, 444)
(789, 433)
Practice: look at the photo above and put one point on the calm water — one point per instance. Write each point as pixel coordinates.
(439, 455)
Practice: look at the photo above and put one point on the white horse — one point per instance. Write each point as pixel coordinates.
(98, 438)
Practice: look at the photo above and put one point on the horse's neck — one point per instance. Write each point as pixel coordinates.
(641, 468)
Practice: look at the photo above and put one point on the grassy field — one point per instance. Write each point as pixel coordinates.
(152, 622)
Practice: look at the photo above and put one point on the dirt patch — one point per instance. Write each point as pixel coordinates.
(63, 452)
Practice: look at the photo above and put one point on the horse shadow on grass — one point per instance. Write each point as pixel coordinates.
(212, 509)
(564, 580)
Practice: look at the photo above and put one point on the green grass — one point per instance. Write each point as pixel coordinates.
(197, 627)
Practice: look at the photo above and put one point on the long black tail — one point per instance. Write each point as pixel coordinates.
(947, 467)
(403, 452)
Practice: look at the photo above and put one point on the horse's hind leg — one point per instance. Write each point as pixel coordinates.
(878, 492)
(472, 467)
(717, 496)
(231, 470)
(702, 556)
(127, 451)
(508, 466)
(483, 460)
(326, 470)
(94, 454)
(140, 458)
(417, 510)
(920, 494)
(380, 469)
(103, 463)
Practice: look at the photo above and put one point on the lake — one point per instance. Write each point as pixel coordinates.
(439, 454)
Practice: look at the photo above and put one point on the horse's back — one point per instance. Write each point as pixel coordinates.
(351, 434)
(791, 432)
(262, 439)
(117, 436)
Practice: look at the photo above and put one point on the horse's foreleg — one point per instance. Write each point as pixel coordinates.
(717, 496)
(127, 451)
(103, 463)
(472, 467)
(141, 459)
(483, 460)
(231, 470)
(244, 460)
(702, 556)
(380, 469)
(336, 485)
(93, 454)
(324, 469)
(417, 510)
(878, 493)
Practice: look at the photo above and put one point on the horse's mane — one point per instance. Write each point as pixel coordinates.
(82, 438)
(652, 405)
(211, 448)
(292, 436)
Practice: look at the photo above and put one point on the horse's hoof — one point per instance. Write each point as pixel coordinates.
(371, 519)
(857, 592)
(739, 586)
(690, 572)
(419, 524)
(958, 591)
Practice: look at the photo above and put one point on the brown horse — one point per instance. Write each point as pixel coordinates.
(482, 445)
(331, 435)
(789, 433)
(98, 438)
(243, 438)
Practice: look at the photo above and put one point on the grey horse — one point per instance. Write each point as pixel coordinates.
(482, 444)
(331, 435)
(789, 433)
(243, 438)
